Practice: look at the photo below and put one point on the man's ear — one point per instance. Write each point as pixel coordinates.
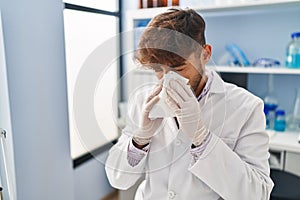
(206, 53)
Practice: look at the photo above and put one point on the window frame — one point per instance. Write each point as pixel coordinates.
(118, 14)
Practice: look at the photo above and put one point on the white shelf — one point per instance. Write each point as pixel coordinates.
(285, 141)
(247, 4)
(247, 70)
(243, 5)
(255, 70)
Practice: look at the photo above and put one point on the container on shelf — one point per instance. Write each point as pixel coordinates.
(293, 51)
(160, 3)
(145, 4)
(280, 121)
(175, 2)
(266, 62)
(293, 120)
(157, 3)
(270, 102)
(266, 111)
(270, 109)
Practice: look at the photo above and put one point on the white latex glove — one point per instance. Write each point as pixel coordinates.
(147, 126)
(182, 100)
(161, 109)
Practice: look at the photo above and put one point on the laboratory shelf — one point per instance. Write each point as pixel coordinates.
(228, 69)
(287, 141)
(147, 13)
(255, 70)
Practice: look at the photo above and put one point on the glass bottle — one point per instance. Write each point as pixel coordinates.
(162, 3)
(142, 4)
(175, 2)
(266, 111)
(150, 4)
(293, 51)
(270, 103)
(280, 123)
(293, 121)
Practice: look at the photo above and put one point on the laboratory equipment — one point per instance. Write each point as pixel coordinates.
(280, 123)
(266, 111)
(293, 51)
(266, 62)
(293, 120)
(238, 56)
(270, 103)
(157, 3)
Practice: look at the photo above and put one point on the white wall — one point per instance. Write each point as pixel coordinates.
(90, 179)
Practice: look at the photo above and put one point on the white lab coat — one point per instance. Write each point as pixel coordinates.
(234, 165)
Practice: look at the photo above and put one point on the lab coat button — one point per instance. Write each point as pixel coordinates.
(171, 194)
(178, 142)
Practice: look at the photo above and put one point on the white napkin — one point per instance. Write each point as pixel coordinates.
(161, 109)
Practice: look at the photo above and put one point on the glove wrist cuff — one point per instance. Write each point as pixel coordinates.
(200, 136)
(141, 141)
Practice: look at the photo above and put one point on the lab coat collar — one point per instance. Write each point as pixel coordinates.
(217, 85)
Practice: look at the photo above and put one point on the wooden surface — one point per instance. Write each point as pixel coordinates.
(112, 196)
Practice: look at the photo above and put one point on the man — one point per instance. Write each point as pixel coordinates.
(215, 147)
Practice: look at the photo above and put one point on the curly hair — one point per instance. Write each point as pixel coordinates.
(170, 38)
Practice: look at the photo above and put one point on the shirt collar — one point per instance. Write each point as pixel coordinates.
(207, 85)
(217, 85)
(214, 84)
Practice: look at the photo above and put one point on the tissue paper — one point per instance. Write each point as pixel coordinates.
(161, 109)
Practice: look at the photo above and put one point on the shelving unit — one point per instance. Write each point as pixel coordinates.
(255, 70)
(288, 141)
(245, 70)
(285, 151)
(261, 28)
(251, 6)
(240, 6)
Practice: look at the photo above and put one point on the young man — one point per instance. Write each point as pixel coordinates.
(215, 147)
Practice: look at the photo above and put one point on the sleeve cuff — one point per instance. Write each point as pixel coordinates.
(135, 155)
(198, 151)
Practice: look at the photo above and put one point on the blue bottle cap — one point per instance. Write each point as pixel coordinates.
(280, 112)
(266, 111)
(295, 34)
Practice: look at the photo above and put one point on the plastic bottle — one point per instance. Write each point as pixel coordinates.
(293, 121)
(280, 123)
(270, 103)
(266, 111)
(293, 51)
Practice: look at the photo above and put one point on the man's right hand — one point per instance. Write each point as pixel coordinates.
(147, 126)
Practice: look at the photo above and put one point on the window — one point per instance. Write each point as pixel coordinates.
(91, 38)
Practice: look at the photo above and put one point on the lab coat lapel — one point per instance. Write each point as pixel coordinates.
(213, 105)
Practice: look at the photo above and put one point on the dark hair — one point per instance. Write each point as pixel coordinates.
(171, 37)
